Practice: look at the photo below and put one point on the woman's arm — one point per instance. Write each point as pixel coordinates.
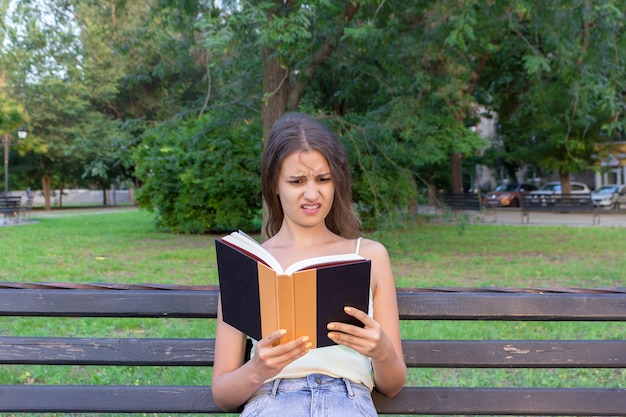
(380, 338)
(234, 381)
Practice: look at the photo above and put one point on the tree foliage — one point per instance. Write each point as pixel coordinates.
(202, 174)
(557, 83)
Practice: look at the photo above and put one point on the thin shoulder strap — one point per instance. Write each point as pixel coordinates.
(358, 245)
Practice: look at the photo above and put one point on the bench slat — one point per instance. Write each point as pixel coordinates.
(515, 353)
(107, 399)
(511, 306)
(108, 303)
(497, 401)
(106, 351)
(416, 400)
(418, 353)
(426, 305)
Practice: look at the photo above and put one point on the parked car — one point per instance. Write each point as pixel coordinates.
(507, 195)
(551, 190)
(610, 196)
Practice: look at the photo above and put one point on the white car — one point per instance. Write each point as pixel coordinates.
(610, 196)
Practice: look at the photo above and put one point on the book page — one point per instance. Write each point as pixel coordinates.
(322, 261)
(247, 243)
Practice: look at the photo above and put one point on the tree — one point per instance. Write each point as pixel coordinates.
(311, 53)
(556, 82)
(55, 92)
(12, 117)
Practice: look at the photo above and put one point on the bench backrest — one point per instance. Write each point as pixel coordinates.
(461, 201)
(10, 201)
(561, 201)
(420, 305)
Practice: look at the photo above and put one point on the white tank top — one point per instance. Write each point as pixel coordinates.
(336, 361)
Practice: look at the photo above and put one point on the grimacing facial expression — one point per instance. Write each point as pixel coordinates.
(305, 188)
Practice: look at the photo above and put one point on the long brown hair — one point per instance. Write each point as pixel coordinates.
(295, 132)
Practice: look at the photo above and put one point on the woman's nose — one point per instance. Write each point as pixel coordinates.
(311, 191)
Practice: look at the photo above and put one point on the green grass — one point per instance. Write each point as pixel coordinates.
(112, 247)
(125, 247)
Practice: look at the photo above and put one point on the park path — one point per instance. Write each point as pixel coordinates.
(513, 216)
(509, 216)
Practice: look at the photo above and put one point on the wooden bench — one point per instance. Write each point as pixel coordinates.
(461, 202)
(10, 207)
(558, 203)
(426, 397)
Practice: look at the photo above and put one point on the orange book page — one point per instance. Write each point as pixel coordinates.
(305, 300)
(268, 294)
(286, 319)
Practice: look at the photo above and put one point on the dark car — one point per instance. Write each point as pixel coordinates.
(507, 195)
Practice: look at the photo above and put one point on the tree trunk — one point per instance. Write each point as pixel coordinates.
(46, 180)
(566, 185)
(61, 188)
(275, 91)
(457, 174)
(455, 162)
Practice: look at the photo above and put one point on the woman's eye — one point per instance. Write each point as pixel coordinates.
(324, 179)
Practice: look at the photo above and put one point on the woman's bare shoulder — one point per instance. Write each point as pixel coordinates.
(373, 249)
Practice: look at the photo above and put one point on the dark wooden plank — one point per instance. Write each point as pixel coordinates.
(413, 400)
(418, 353)
(413, 305)
(515, 353)
(504, 401)
(107, 399)
(101, 351)
(108, 303)
(511, 306)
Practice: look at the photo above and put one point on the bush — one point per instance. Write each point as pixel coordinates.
(202, 175)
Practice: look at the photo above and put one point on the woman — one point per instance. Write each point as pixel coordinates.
(306, 185)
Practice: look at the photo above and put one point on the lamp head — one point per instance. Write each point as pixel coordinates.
(22, 132)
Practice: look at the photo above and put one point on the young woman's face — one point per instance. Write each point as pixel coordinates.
(305, 188)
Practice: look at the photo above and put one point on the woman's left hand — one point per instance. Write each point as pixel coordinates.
(370, 340)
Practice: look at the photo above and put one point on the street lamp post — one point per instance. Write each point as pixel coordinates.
(21, 133)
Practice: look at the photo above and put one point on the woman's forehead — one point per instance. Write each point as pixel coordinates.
(305, 163)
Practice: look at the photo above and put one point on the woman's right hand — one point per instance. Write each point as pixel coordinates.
(270, 357)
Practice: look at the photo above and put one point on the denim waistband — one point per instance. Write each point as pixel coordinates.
(312, 382)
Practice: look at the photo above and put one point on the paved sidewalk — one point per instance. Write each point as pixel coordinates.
(35, 215)
(509, 216)
(513, 216)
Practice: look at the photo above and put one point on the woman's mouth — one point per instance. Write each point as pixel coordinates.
(311, 208)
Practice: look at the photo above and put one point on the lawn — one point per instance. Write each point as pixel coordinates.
(125, 247)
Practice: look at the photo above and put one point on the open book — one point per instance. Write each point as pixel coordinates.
(259, 297)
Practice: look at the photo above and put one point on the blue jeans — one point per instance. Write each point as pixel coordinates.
(316, 395)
